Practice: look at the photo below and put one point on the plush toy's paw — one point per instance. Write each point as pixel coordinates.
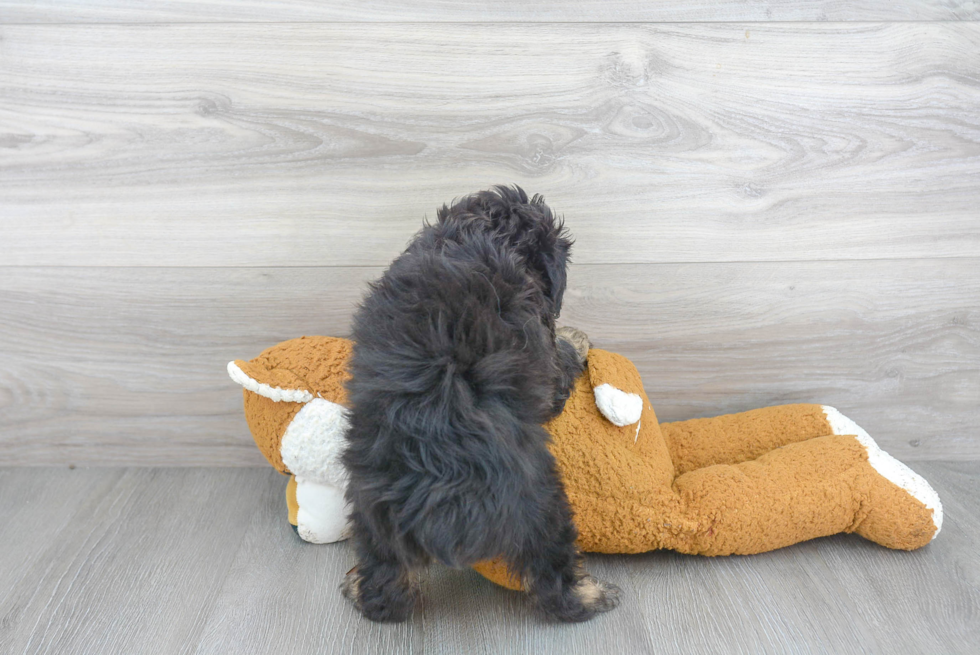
(578, 339)
(321, 517)
(903, 511)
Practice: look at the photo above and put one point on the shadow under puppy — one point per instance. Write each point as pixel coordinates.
(457, 363)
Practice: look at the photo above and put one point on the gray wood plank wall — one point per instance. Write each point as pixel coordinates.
(765, 212)
(141, 11)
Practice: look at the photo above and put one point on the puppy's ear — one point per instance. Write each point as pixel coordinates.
(554, 266)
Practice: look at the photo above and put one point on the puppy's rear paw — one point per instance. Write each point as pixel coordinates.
(583, 601)
(351, 587)
(392, 605)
(578, 339)
(598, 595)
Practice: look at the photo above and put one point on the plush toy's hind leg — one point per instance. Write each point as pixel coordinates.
(792, 494)
(735, 438)
(801, 491)
(891, 517)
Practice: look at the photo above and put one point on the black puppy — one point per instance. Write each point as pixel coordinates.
(456, 365)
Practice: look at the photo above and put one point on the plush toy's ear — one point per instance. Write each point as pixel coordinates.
(617, 386)
(279, 385)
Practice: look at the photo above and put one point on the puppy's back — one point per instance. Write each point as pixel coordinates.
(450, 382)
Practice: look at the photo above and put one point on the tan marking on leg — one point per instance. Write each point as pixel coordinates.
(588, 590)
(597, 595)
(351, 587)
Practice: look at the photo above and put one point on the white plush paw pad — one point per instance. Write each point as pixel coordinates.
(322, 515)
(889, 467)
(619, 407)
(314, 441)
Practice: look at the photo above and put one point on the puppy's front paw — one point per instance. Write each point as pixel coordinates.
(579, 341)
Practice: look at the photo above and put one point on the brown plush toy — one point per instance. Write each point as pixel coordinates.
(294, 404)
(735, 484)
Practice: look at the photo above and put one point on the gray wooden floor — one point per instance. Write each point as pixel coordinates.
(136, 560)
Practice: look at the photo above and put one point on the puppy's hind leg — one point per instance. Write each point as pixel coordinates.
(380, 585)
(553, 571)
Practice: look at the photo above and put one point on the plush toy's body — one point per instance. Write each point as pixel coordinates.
(741, 483)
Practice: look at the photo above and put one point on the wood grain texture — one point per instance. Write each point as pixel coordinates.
(281, 594)
(36, 507)
(127, 366)
(137, 564)
(135, 568)
(291, 144)
(435, 11)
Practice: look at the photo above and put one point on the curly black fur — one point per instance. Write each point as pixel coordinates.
(455, 367)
